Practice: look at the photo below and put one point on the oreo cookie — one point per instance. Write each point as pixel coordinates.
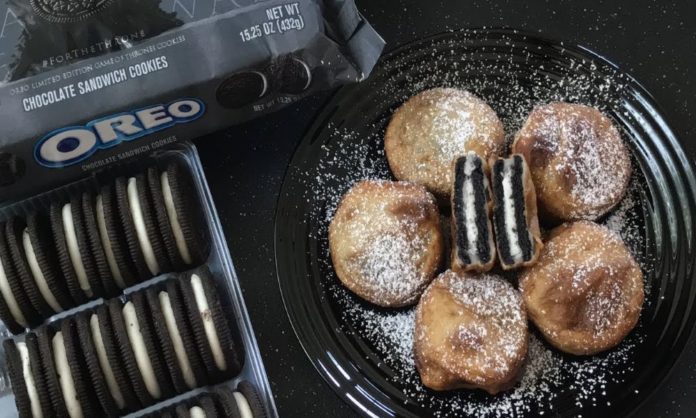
(78, 369)
(182, 411)
(113, 238)
(17, 364)
(170, 341)
(85, 250)
(109, 355)
(295, 76)
(154, 182)
(217, 339)
(204, 407)
(37, 371)
(44, 337)
(14, 231)
(185, 215)
(40, 255)
(132, 240)
(142, 372)
(15, 309)
(141, 310)
(227, 403)
(242, 89)
(150, 224)
(75, 287)
(172, 303)
(102, 389)
(95, 246)
(253, 399)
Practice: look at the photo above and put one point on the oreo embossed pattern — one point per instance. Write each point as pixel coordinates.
(365, 353)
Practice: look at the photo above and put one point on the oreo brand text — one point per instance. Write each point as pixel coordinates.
(73, 144)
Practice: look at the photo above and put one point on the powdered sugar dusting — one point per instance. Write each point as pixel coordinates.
(550, 379)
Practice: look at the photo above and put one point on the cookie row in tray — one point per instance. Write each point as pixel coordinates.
(96, 244)
(126, 355)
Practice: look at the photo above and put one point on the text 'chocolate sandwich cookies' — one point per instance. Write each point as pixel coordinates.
(515, 214)
(124, 356)
(96, 245)
(473, 246)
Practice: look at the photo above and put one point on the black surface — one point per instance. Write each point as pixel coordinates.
(245, 165)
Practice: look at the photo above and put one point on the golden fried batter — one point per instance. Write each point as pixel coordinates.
(471, 332)
(579, 163)
(428, 132)
(586, 291)
(385, 241)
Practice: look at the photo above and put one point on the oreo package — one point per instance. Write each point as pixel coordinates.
(88, 83)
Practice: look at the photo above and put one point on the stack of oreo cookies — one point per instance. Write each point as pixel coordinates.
(244, 402)
(123, 356)
(97, 244)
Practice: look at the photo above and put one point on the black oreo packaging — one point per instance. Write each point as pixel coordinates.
(148, 332)
(86, 83)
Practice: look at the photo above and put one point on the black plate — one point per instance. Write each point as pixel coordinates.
(364, 352)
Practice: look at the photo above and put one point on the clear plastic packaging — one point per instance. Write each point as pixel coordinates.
(219, 262)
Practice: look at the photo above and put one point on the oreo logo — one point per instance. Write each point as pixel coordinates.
(68, 11)
(71, 145)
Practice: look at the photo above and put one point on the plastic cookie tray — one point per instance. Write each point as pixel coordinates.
(219, 263)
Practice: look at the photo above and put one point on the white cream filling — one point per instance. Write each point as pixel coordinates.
(29, 382)
(243, 405)
(74, 250)
(177, 341)
(469, 201)
(140, 228)
(142, 358)
(39, 277)
(9, 298)
(67, 384)
(174, 221)
(104, 363)
(106, 243)
(509, 211)
(197, 412)
(208, 323)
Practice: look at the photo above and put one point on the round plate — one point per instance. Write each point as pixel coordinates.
(365, 353)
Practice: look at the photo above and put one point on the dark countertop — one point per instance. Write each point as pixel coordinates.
(651, 40)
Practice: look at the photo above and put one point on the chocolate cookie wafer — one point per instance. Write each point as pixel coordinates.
(170, 340)
(473, 246)
(515, 214)
(216, 337)
(112, 363)
(78, 286)
(84, 249)
(96, 247)
(138, 317)
(185, 215)
(41, 257)
(165, 229)
(111, 401)
(113, 238)
(15, 309)
(37, 370)
(14, 232)
(129, 227)
(89, 405)
(253, 400)
(28, 384)
(44, 337)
